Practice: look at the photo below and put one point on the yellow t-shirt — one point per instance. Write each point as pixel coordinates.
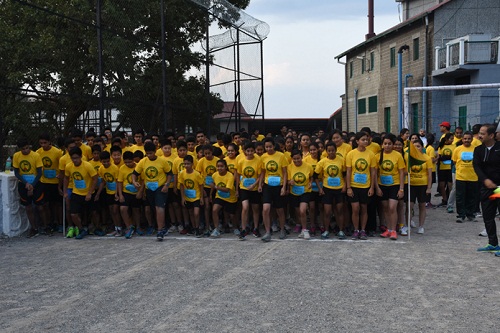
(418, 173)
(231, 163)
(431, 152)
(226, 181)
(50, 160)
(446, 150)
(288, 156)
(260, 137)
(125, 177)
(249, 171)
(207, 168)
(462, 157)
(87, 152)
(134, 148)
(476, 142)
(332, 172)
(374, 148)
(191, 182)
(301, 175)
(109, 175)
(272, 166)
(388, 171)
(360, 164)
(342, 150)
(27, 165)
(154, 172)
(96, 164)
(81, 176)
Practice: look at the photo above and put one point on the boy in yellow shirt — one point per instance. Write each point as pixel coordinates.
(84, 179)
(108, 172)
(28, 170)
(191, 189)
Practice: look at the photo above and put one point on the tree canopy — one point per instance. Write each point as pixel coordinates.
(49, 51)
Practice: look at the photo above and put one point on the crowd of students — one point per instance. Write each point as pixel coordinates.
(321, 184)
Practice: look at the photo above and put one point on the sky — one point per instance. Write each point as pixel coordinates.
(301, 77)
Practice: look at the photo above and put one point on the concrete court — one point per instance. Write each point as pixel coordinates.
(433, 283)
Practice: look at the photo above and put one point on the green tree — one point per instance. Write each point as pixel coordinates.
(48, 51)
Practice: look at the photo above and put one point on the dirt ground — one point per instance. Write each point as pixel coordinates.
(434, 282)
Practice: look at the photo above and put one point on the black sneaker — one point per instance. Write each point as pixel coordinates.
(242, 235)
(256, 233)
(198, 233)
(160, 235)
(32, 233)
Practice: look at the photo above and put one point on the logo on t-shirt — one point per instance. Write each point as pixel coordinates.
(332, 171)
(129, 178)
(77, 176)
(108, 177)
(47, 162)
(272, 166)
(249, 172)
(221, 184)
(189, 184)
(210, 170)
(447, 152)
(151, 172)
(361, 165)
(299, 178)
(416, 168)
(387, 165)
(25, 166)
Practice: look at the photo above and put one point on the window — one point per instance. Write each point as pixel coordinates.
(414, 111)
(372, 61)
(351, 69)
(393, 57)
(372, 104)
(416, 48)
(463, 80)
(387, 119)
(362, 106)
(363, 65)
(462, 116)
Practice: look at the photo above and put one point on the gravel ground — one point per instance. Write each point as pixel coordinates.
(433, 282)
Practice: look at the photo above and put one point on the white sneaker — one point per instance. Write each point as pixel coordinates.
(413, 224)
(306, 234)
(275, 228)
(301, 235)
(483, 233)
(404, 231)
(172, 229)
(420, 230)
(180, 227)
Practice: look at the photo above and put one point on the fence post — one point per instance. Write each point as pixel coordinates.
(163, 67)
(100, 65)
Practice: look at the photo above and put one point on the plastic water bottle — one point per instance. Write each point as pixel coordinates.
(8, 165)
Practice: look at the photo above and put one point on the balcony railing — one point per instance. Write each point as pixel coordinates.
(467, 52)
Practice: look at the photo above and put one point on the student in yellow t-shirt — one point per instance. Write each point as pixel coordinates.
(108, 172)
(420, 184)
(466, 179)
(191, 189)
(342, 148)
(28, 168)
(273, 185)
(157, 174)
(139, 141)
(360, 182)
(207, 166)
(129, 196)
(226, 196)
(445, 151)
(174, 212)
(247, 175)
(300, 182)
(315, 201)
(116, 155)
(331, 170)
(77, 135)
(431, 152)
(50, 156)
(84, 179)
(390, 184)
(231, 158)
